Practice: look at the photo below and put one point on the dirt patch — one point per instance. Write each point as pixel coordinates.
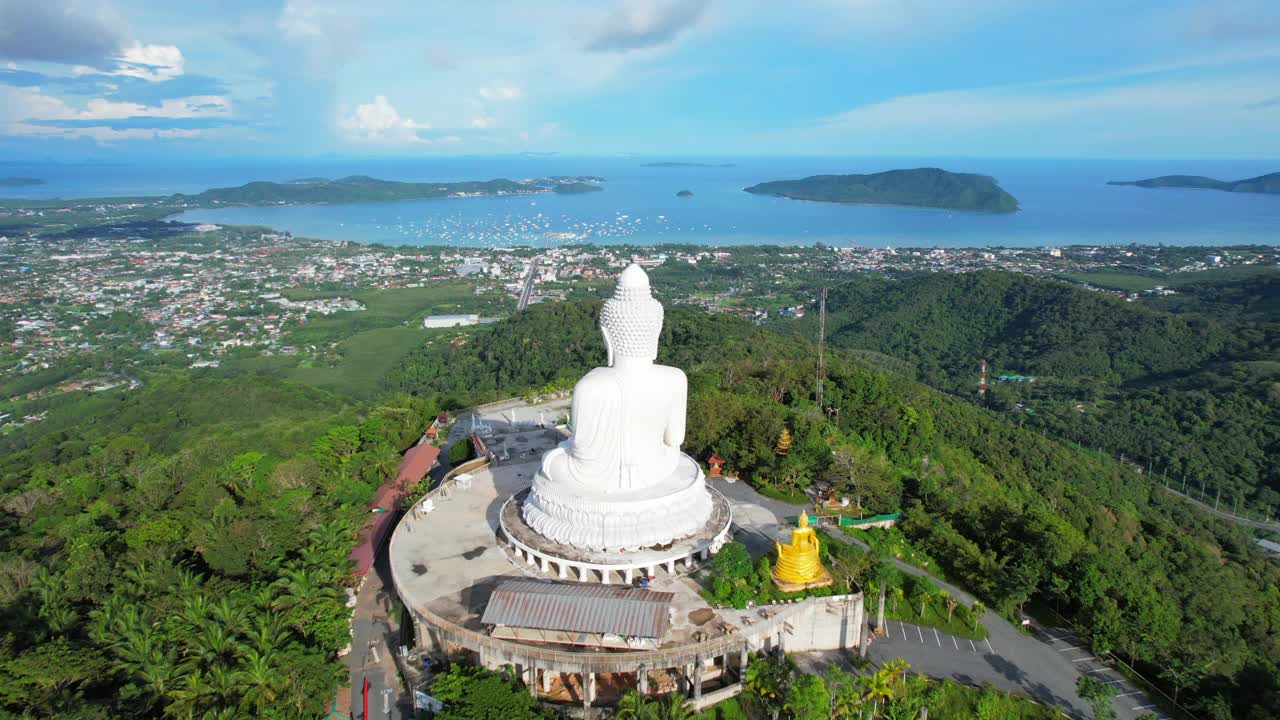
(419, 569)
(474, 552)
(701, 616)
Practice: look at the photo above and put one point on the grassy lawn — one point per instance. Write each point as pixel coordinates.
(386, 308)
(1127, 282)
(935, 616)
(366, 357)
(730, 709)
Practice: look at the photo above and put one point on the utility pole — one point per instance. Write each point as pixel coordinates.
(1216, 498)
(822, 340)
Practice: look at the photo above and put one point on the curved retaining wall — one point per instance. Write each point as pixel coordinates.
(444, 633)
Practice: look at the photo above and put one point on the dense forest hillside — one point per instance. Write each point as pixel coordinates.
(1194, 393)
(180, 550)
(1012, 515)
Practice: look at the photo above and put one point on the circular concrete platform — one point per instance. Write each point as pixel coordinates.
(600, 566)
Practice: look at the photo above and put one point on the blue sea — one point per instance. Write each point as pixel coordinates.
(1063, 202)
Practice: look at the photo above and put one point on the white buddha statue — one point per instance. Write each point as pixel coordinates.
(620, 481)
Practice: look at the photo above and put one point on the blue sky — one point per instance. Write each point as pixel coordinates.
(997, 78)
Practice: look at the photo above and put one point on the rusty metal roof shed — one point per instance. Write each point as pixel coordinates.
(579, 607)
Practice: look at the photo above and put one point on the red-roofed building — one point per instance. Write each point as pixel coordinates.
(386, 504)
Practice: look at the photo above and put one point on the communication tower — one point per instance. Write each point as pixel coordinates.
(982, 378)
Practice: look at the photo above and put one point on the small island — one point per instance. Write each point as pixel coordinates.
(688, 165)
(685, 193)
(920, 187)
(1266, 184)
(361, 188)
(20, 181)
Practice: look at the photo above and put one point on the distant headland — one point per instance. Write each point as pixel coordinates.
(19, 181)
(920, 187)
(361, 188)
(688, 164)
(1267, 184)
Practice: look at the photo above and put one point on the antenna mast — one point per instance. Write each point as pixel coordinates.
(822, 340)
(982, 380)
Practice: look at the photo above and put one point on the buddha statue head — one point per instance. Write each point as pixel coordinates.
(631, 320)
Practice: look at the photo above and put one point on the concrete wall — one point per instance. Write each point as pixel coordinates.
(831, 623)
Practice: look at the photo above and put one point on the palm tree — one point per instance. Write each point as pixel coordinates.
(898, 594)
(884, 574)
(951, 603)
(879, 686)
(267, 634)
(633, 706)
(978, 611)
(673, 707)
(227, 613)
(187, 583)
(896, 667)
(382, 464)
(259, 679)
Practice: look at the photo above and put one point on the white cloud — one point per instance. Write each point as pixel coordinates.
(155, 63)
(501, 93)
(379, 121)
(102, 134)
(483, 122)
(1165, 116)
(641, 24)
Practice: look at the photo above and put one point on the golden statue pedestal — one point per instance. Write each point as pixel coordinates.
(798, 566)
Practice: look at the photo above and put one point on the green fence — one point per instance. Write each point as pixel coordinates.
(855, 522)
(851, 522)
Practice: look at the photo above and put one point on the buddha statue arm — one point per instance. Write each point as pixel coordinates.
(594, 451)
(673, 437)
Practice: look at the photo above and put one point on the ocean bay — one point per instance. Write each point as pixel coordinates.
(1063, 201)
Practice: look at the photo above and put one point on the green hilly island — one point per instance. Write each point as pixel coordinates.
(361, 188)
(920, 187)
(1266, 184)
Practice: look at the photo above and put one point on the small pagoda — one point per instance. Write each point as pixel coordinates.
(715, 462)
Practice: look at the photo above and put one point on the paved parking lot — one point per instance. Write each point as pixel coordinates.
(1129, 701)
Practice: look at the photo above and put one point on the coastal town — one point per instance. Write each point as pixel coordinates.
(76, 310)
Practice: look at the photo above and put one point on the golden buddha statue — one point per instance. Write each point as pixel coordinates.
(798, 566)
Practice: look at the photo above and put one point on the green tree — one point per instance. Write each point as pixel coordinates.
(808, 699)
(1098, 694)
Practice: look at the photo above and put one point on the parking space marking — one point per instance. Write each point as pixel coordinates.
(1144, 707)
(953, 642)
(1084, 659)
(1135, 692)
(920, 634)
(1070, 647)
(903, 628)
(936, 638)
(975, 647)
(993, 652)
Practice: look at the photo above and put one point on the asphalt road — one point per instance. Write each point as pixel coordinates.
(527, 291)
(1044, 665)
